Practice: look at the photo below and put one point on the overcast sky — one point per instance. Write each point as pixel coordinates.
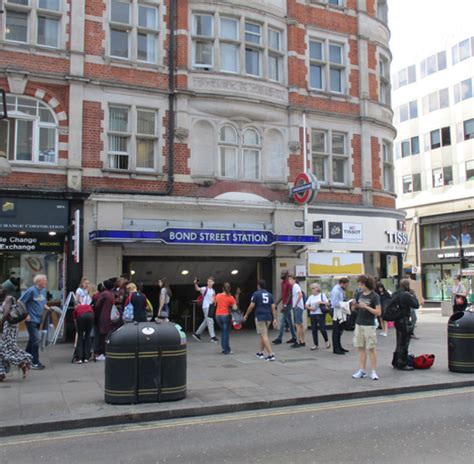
(421, 27)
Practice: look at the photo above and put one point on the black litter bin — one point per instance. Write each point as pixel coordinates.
(461, 342)
(145, 362)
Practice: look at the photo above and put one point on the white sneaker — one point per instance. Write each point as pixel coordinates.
(101, 357)
(359, 374)
(383, 334)
(374, 376)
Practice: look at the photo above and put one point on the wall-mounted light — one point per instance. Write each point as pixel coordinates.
(52, 233)
(132, 272)
(22, 232)
(234, 272)
(184, 272)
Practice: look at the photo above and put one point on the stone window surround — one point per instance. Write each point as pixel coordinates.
(387, 164)
(61, 15)
(242, 16)
(384, 78)
(326, 37)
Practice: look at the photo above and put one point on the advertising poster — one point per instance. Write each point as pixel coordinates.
(335, 264)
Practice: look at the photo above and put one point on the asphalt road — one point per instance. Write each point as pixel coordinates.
(430, 427)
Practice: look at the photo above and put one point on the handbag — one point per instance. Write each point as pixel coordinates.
(14, 311)
(200, 298)
(114, 314)
(460, 300)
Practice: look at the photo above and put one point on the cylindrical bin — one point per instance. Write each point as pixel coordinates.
(145, 362)
(461, 342)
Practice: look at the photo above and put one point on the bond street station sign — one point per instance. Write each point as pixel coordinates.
(172, 236)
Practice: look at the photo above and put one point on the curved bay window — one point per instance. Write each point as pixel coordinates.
(31, 132)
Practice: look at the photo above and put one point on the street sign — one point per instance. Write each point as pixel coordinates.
(305, 188)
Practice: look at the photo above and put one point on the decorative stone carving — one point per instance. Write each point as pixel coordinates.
(294, 146)
(74, 179)
(204, 181)
(17, 81)
(181, 134)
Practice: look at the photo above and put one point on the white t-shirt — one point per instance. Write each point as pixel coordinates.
(82, 296)
(208, 296)
(164, 294)
(314, 301)
(295, 290)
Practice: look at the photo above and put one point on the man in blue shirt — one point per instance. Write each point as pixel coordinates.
(265, 311)
(35, 302)
(336, 298)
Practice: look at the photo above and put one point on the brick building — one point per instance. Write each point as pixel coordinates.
(250, 90)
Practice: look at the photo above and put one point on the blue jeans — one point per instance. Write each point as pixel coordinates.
(286, 319)
(318, 321)
(34, 340)
(224, 323)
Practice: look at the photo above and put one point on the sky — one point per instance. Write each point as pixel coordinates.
(422, 27)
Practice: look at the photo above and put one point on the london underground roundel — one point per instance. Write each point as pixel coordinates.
(305, 188)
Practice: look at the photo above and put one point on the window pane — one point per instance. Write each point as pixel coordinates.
(146, 47)
(416, 182)
(24, 147)
(203, 25)
(16, 26)
(319, 168)
(251, 137)
(402, 77)
(405, 148)
(407, 184)
(431, 65)
(338, 144)
(437, 177)
(403, 113)
(47, 145)
(118, 161)
(316, 50)
(433, 102)
(274, 68)
(319, 142)
(469, 129)
(466, 89)
(448, 175)
(229, 29)
(274, 39)
(316, 76)
(48, 31)
(446, 136)
(252, 62)
(251, 164)
(228, 162)
(120, 11)
(415, 145)
(4, 136)
(145, 154)
(117, 143)
(229, 57)
(335, 54)
(339, 170)
(204, 52)
(388, 178)
(443, 98)
(118, 119)
(441, 61)
(470, 170)
(146, 122)
(46, 115)
(464, 50)
(147, 17)
(336, 80)
(228, 134)
(19, 2)
(435, 139)
(252, 33)
(119, 43)
(411, 74)
(49, 4)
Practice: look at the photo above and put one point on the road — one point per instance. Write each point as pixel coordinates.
(430, 427)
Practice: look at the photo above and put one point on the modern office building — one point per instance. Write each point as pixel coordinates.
(434, 115)
(180, 126)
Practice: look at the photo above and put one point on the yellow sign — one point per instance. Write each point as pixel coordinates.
(331, 264)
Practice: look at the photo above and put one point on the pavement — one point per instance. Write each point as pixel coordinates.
(66, 396)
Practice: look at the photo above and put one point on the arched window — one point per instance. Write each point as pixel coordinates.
(31, 133)
(239, 153)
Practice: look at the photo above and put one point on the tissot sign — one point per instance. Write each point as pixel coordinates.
(305, 188)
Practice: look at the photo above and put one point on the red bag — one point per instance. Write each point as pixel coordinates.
(424, 361)
(460, 300)
(200, 298)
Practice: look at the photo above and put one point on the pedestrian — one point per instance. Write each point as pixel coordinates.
(286, 317)
(103, 306)
(83, 316)
(318, 305)
(208, 295)
(405, 299)
(297, 303)
(224, 301)
(459, 295)
(336, 298)
(365, 337)
(96, 331)
(265, 311)
(82, 294)
(165, 298)
(385, 297)
(139, 302)
(34, 299)
(10, 352)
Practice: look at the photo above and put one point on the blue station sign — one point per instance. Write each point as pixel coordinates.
(172, 236)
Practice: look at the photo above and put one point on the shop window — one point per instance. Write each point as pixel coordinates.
(134, 30)
(468, 128)
(330, 157)
(388, 168)
(239, 153)
(31, 132)
(327, 66)
(463, 91)
(442, 176)
(431, 239)
(449, 235)
(34, 21)
(132, 138)
(412, 183)
(470, 170)
(433, 282)
(467, 234)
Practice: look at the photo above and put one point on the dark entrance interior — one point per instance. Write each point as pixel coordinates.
(180, 272)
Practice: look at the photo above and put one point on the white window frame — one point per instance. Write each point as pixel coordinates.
(329, 156)
(382, 11)
(384, 80)
(388, 167)
(133, 136)
(412, 180)
(34, 12)
(328, 65)
(424, 64)
(16, 115)
(133, 29)
(455, 50)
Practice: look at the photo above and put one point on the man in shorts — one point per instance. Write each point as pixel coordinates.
(365, 336)
(265, 311)
(298, 311)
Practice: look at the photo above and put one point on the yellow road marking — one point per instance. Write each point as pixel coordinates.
(303, 409)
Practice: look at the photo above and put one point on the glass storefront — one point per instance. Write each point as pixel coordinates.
(450, 235)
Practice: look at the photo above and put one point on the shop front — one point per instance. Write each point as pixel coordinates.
(447, 249)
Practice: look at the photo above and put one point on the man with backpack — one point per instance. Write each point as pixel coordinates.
(207, 296)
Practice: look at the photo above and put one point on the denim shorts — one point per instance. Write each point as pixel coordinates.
(298, 315)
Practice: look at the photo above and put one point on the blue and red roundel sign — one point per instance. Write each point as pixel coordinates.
(305, 188)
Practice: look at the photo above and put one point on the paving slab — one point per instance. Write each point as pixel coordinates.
(65, 395)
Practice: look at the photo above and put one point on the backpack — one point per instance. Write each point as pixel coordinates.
(392, 311)
(128, 312)
(424, 361)
(14, 311)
